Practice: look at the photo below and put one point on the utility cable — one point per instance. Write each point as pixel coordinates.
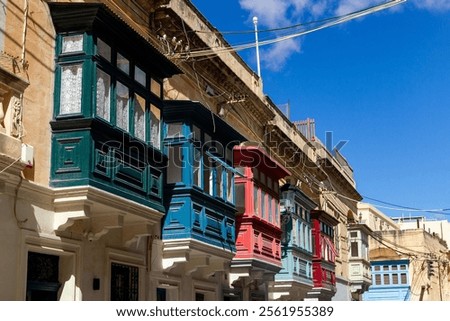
(333, 22)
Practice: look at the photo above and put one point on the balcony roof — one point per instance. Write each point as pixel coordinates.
(256, 156)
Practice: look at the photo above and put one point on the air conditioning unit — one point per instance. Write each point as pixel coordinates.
(27, 156)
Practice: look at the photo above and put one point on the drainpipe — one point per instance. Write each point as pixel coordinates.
(24, 31)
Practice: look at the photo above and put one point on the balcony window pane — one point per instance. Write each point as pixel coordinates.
(123, 63)
(394, 278)
(139, 117)
(255, 174)
(354, 249)
(304, 236)
(103, 49)
(229, 156)
(155, 125)
(155, 87)
(70, 96)
(122, 107)
(229, 186)
(386, 279)
(174, 130)
(206, 173)
(403, 278)
(140, 76)
(174, 169)
(377, 279)
(197, 168)
(103, 94)
(196, 133)
(263, 204)
(219, 186)
(269, 209)
(72, 44)
(255, 200)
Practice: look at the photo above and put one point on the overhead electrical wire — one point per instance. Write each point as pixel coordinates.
(328, 23)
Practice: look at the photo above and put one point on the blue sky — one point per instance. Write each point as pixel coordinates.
(382, 82)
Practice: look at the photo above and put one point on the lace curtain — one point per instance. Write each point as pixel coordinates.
(122, 108)
(103, 94)
(70, 97)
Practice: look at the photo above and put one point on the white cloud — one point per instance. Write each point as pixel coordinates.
(282, 13)
(277, 55)
(269, 12)
(433, 5)
(348, 6)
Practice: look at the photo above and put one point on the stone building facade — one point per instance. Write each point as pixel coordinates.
(116, 150)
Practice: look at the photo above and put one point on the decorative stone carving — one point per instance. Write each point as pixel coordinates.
(12, 87)
(16, 124)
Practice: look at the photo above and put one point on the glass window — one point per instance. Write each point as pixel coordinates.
(196, 133)
(120, 89)
(71, 88)
(174, 169)
(378, 279)
(103, 49)
(174, 130)
(304, 236)
(354, 249)
(229, 156)
(403, 278)
(269, 209)
(219, 190)
(140, 76)
(255, 200)
(155, 125)
(103, 105)
(123, 63)
(122, 106)
(277, 212)
(229, 186)
(206, 173)
(155, 87)
(208, 140)
(197, 174)
(72, 44)
(255, 174)
(386, 279)
(139, 117)
(263, 204)
(394, 278)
